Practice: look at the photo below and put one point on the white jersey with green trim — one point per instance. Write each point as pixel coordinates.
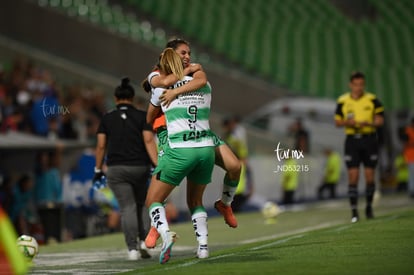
(187, 116)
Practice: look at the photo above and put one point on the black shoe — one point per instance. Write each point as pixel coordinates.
(144, 254)
(369, 213)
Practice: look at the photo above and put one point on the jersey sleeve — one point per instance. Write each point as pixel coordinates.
(155, 96)
(378, 107)
(151, 75)
(339, 115)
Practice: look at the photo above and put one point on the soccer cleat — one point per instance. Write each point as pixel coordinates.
(133, 255)
(202, 251)
(143, 250)
(152, 237)
(369, 213)
(227, 213)
(167, 246)
(355, 216)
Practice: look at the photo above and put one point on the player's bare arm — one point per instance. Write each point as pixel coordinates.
(150, 145)
(165, 81)
(100, 150)
(152, 113)
(199, 80)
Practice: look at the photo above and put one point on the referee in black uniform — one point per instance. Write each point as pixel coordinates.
(360, 113)
(130, 147)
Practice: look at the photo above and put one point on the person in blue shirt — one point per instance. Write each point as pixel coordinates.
(48, 194)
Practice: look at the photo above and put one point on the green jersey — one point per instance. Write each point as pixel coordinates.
(187, 116)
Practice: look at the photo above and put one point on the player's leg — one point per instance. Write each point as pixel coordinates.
(198, 216)
(370, 190)
(353, 160)
(197, 181)
(162, 138)
(370, 159)
(158, 192)
(226, 159)
(353, 177)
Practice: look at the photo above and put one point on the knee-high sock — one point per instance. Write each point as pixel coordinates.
(158, 218)
(199, 219)
(370, 193)
(353, 197)
(229, 190)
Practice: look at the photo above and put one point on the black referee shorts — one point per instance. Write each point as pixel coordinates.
(361, 149)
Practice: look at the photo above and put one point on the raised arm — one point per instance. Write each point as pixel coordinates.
(165, 81)
(199, 80)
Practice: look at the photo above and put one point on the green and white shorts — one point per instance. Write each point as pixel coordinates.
(217, 140)
(177, 163)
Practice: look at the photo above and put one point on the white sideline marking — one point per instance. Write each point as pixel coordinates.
(294, 232)
(190, 263)
(303, 230)
(277, 242)
(342, 228)
(228, 255)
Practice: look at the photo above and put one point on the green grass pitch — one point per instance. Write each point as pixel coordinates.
(316, 239)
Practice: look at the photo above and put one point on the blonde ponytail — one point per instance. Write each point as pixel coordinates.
(171, 63)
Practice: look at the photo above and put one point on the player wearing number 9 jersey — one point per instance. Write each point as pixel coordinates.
(189, 153)
(224, 158)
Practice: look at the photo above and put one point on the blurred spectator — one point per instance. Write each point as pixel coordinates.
(48, 193)
(402, 174)
(23, 213)
(301, 136)
(31, 101)
(77, 195)
(290, 180)
(409, 155)
(239, 147)
(6, 193)
(109, 209)
(332, 173)
(12, 122)
(239, 130)
(43, 109)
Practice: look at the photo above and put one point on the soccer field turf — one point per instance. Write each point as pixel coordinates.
(316, 239)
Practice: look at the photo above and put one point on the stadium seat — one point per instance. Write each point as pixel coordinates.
(307, 46)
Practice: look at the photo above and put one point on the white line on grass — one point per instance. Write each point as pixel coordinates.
(190, 263)
(342, 228)
(277, 242)
(299, 231)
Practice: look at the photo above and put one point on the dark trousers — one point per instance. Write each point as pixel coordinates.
(129, 184)
(288, 196)
(238, 202)
(51, 217)
(331, 187)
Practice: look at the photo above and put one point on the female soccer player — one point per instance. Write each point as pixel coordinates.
(189, 153)
(224, 157)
